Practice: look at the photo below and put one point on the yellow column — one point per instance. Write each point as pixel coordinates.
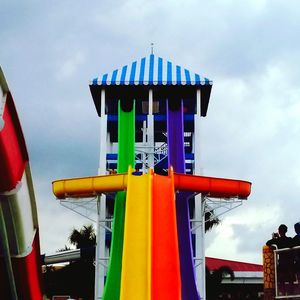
(269, 273)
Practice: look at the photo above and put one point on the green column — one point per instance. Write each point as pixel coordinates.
(126, 157)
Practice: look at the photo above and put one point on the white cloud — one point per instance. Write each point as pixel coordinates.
(238, 237)
(68, 67)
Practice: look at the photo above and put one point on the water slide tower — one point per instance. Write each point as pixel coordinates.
(150, 113)
(156, 85)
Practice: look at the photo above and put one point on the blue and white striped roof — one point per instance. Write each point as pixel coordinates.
(151, 70)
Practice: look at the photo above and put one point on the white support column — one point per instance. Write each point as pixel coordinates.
(150, 131)
(199, 208)
(2, 102)
(144, 144)
(4, 247)
(101, 205)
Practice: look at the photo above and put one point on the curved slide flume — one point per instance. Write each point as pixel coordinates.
(176, 159)
(86, 187)
(126, 142)
(20, 264)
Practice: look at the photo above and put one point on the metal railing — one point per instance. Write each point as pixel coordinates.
(287, 273)
(144, 151)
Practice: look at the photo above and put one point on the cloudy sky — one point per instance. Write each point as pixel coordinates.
(49, 51)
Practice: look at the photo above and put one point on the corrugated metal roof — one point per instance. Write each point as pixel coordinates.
(152, 70)
(236, 266)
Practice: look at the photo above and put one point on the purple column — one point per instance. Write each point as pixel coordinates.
(176, 159)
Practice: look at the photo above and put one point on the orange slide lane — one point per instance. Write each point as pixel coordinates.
(165, 276)
(212, 186)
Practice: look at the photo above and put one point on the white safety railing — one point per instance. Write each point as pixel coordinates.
(287, 273)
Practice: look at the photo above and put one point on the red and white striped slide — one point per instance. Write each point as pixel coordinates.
(20, 264)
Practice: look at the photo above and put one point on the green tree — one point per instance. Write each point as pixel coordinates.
(214, 280)
(78, 277)
(211, 219)
(83, 238)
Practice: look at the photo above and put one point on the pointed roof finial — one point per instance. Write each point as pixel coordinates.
(152, 44)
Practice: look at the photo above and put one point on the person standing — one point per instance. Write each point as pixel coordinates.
(296, 238)
(296, 243)
(285, 264)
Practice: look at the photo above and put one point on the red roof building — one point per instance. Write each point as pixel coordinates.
(247, 273)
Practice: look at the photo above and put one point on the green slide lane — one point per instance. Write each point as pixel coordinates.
(126, 157)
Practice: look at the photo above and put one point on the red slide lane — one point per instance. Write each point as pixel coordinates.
(13, 153)
(165, 274)
(27, 272)
(214, 187)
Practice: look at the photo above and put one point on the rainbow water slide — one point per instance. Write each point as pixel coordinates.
(126, 153)
(150, 267)
(150, 257)
(20, 265)
(176, 159)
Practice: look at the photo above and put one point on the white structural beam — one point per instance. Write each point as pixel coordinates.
(150, 131)
(199, 207)
(144, 143)
(4, 247)
(101, 206)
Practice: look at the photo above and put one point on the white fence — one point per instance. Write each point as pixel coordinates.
(287, 273)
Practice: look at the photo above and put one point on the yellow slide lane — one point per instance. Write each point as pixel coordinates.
(136, 266)
(89, 186)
